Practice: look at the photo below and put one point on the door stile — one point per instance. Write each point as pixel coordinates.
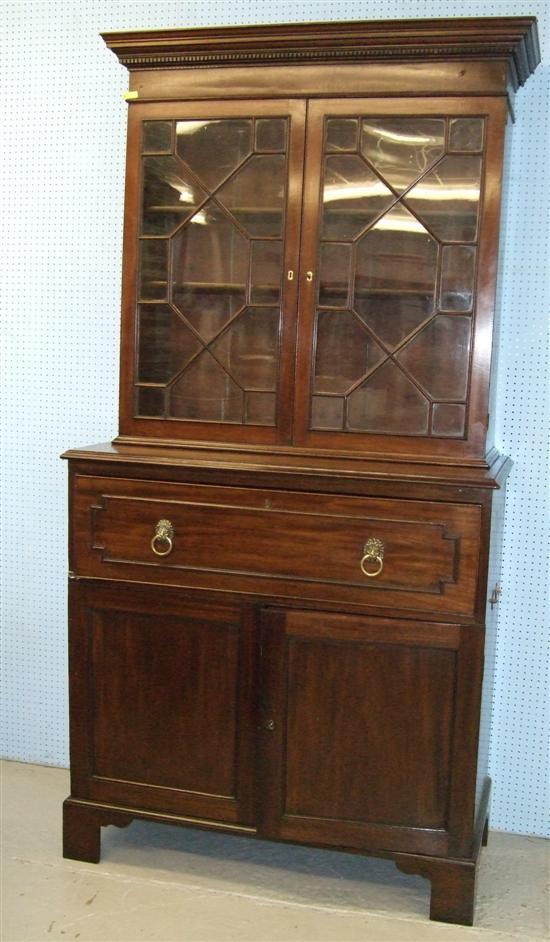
(271, 723)
(308, 258)
(291, 280)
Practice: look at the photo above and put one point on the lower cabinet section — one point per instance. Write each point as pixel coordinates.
(305, 726)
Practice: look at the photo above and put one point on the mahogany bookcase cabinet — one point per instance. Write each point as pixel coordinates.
(279, 570)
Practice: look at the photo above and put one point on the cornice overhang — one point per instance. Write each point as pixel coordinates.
(513, 38)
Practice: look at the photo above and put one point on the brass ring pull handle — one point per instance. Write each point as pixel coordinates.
(373, 554)
(162, 544)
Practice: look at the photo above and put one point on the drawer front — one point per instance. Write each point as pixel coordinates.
(279, 544)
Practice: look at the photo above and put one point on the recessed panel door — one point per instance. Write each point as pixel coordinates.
(363, 729)
(161, 702)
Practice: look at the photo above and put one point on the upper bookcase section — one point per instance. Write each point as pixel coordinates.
(510, 40)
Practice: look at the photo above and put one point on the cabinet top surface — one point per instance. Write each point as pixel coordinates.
(514, 38)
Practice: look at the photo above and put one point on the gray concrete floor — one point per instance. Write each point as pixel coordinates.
(170, 884)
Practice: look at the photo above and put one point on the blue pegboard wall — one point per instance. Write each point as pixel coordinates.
(63, 187)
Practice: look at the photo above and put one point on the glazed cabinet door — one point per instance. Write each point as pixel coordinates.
(161, 701)
(368, 731)
(213, 207)
(402, 200)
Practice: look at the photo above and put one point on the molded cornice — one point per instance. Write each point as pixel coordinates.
(512, 38)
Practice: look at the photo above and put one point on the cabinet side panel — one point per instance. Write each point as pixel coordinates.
(502, 252)
(493, 579)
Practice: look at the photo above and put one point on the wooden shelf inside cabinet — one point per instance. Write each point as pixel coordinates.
(279, 569)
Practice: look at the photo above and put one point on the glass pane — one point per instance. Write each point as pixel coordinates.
(327, 413)
(169, 196)
(249, 348)
(457, 277)
(165, 344)
(388, 402)
(266, 269)
(466, 134)
(438, 357)
(150, 401)
(206, 393)
(402, 148)
(353, 197)
(271, 134)
(448, 419)
(396, 276)
(342, 133)
(447, 199)
(255, 195)
(157, 137)
(213, 149)
(334, 274)
(210, 270)
(344, 353)
(260, 408)
(153, 270)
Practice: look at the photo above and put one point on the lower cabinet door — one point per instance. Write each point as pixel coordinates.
(162, 692)
(369, 731)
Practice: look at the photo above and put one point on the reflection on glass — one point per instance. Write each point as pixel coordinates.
(169, 196)
(447, 198)
(396, 275)
(204, 256)
(150, 401)
(165, 344)
(457, 277)
(213, 149)
(388, 402)
(466, 134)
(248, 349)
(327, 413)
(402, 148)
(438, 357)
(271, 134)
(396, 247)
(157, 137)
(344, 352)
(266, 266)
(260, 408)
(206, 393)
(210, 270)
(153, 269)
(342, 133)
(448, 419)
(255, 195)
(334, 274)
(353, 197)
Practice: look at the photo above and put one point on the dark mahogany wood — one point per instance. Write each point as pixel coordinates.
(452, 886)
(163, 700)
(512, 39)
(275, 542)
(82, 825)
(253, 680)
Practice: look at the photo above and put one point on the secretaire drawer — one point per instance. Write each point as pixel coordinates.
(366, 551)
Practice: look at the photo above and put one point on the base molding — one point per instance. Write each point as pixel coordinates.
(452, 879)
